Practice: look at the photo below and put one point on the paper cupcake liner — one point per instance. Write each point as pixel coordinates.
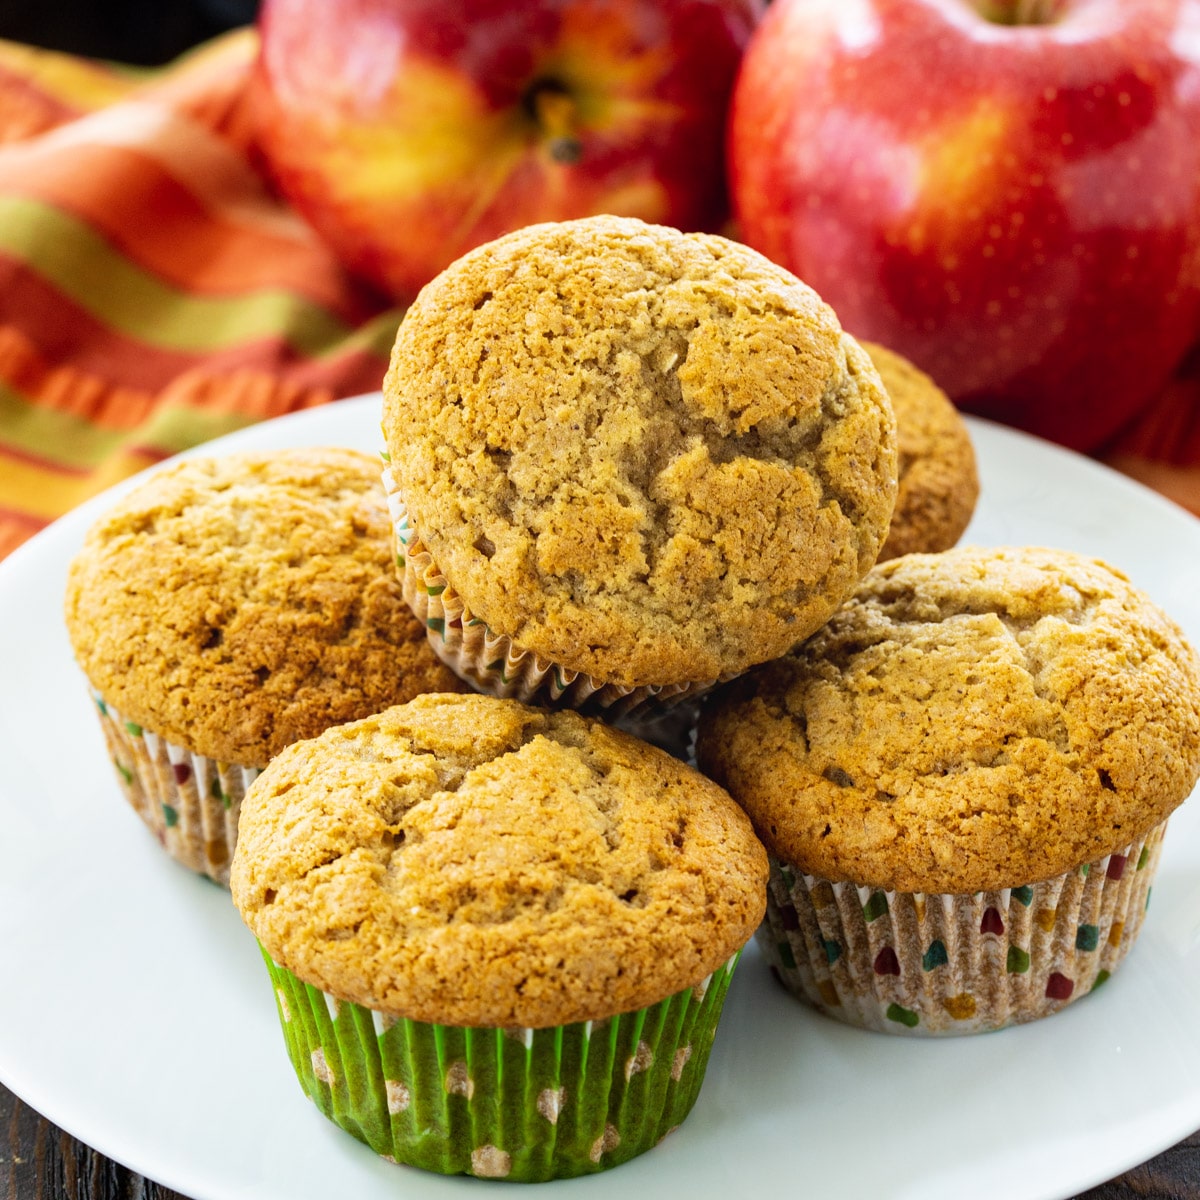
(492, 662)
(190, 802)
(672, 729)
(907, 963)
(517, 1104)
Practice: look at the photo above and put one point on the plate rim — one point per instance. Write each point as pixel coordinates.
(1180, 1115)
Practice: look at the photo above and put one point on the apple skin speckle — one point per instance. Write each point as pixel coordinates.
(1078, 139)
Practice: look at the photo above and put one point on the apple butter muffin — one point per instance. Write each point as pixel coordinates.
(627, 461)
(500, 936)
(938, 482)
(963, 781)
(227, 607)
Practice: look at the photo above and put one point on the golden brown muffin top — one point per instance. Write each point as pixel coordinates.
(234, 605)
(971, 720)
(650, 456)
(939, 484)
(472, 861)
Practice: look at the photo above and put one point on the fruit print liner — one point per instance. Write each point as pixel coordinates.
(907, 963)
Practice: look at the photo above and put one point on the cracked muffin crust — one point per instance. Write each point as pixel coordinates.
(233, 605)
(977, 719)
(938, 482)
(472, 861)
(649, 456)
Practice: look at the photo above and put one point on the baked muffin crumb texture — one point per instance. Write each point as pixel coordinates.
(474, 861)
(983, 718)
(938, 484)
(645, 455)
(233, 605)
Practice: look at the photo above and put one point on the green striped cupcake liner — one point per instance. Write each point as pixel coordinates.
(492, 662)
(518, 1104)
(911, 963)
(189, 802)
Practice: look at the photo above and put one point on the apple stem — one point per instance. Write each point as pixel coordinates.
(1020, 12)
(557, 115)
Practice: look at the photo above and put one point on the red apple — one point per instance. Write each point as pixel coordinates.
(409, 131)
(1007, 193)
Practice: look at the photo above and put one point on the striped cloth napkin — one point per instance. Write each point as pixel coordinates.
(1161, 448)
(154, 292)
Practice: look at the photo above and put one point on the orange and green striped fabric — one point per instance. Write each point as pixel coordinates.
(154, 292)
(1161, 446)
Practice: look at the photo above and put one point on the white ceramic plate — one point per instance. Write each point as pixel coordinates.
(135, 1011)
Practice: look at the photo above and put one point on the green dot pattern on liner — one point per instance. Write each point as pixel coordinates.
(526, 1105)
(189, 802)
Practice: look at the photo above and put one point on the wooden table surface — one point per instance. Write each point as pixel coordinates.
(40, 1162)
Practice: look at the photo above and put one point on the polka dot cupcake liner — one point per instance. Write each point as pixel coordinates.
(520, 1104)
(907, 963)
(189, 802)
(492, 662)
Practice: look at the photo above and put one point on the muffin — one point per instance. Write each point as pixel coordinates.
(227, 607)
(499, 936)
(938, 482)
(963, 782)
(627, 462)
